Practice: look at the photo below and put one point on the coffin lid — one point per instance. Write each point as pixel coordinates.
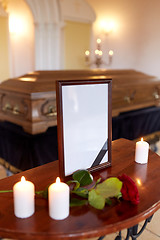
(45, 81)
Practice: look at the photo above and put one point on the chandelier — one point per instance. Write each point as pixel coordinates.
(98, 56)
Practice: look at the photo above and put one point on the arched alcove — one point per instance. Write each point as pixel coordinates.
(50, 18)
(47, 24)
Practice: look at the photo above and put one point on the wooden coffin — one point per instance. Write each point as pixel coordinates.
(30, 100)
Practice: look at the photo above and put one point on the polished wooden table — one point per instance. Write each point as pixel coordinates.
(85, 221)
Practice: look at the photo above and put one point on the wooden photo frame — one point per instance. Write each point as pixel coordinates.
(84, 119)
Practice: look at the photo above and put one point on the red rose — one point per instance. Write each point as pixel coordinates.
(129, 189)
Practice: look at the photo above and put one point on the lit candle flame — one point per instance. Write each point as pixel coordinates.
(142, 139)
(100, 53)
(96, 51)
(58, 180)
(87, 53)
(23, 179)
(111, 53)
(98, 40)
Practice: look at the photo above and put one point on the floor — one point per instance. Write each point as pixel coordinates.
(152, 232)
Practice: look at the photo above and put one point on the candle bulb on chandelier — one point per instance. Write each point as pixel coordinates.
(110, 56)
(99, 43)
(111, 52)
(96, 53)
(100, 53)
(87, 54)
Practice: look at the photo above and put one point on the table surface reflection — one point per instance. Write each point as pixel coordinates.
(84, 221)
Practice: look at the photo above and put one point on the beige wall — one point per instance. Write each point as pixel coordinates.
(136, 39)
(21, 37)
(135, 42)
(76, 40)
(4, 49)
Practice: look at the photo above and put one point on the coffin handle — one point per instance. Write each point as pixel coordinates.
(51, 111)
(156, 95)
(127, 99)
(7, 107)
(16, 110)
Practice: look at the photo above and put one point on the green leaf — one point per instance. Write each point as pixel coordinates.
(108, 201)
(95, 200)
(74, 202)
(97, 182)
(77, 184)
(119, 195)
(82, 192)
(5, 191)
(43, 193)
(83, 177)
(109, 188)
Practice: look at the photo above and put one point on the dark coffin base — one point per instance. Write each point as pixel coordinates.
(135, 124)
(25, 151)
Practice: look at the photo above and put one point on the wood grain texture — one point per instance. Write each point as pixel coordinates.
(28, 94)
(84, 221)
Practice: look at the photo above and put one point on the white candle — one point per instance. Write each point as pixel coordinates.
(58, 194)
(23, 195)
(141, 153)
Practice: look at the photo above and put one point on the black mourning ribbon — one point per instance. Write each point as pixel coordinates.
(100, 154)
